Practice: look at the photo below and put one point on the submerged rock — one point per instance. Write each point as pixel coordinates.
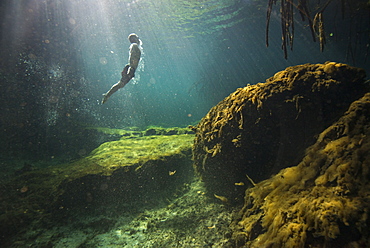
(260, 129)
(127, 172)
(324, 201)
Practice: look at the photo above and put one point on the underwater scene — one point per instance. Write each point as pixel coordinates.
(185, 123)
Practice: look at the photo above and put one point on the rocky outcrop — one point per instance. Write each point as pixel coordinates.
(324, 201)
(132, 170)
(260, 129)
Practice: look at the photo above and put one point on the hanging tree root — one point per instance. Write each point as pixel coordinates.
(316, 23)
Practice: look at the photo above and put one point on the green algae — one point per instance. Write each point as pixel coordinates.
(126, 151)
(123, 132)
(33, 195)
(136, 132)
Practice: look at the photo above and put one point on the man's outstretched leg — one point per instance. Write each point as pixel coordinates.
(124, 80)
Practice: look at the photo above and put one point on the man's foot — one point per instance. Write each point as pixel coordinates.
(105, 98)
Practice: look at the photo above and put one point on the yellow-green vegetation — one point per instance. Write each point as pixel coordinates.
(135, 131)
(127, 151)
(123, 132)
(324, 201)
(33, 194)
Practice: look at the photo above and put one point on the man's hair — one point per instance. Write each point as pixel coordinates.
(133, 38)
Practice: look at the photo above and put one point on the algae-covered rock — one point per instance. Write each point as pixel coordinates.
(262, 128)
(132, 169)
(324, 201)
(136, 132)
(139, 150)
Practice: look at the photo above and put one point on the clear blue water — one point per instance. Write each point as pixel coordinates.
(57, 58)
(66, 54)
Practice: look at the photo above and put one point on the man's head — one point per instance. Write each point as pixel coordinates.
(133, 38)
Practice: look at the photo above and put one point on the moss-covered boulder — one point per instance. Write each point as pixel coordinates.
(324, 201)
(133, 169)
(262, 128)
(109, 133)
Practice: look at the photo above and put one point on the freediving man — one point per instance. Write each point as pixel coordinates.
(128, 71)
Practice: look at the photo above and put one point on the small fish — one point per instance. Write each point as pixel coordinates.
(171, 173)
(222, 198)
(239, 184)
